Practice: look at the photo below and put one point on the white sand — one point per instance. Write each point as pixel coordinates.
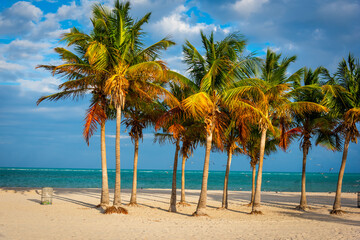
(73, 216)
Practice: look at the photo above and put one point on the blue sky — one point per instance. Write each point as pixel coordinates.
(319, 32)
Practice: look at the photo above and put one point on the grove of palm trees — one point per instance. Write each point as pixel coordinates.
(228, 100)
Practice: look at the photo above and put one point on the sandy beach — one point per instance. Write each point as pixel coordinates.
(73, 216)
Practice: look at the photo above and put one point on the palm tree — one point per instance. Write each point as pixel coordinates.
(270, 95)
(172, 137)
(190, 138)
(234, 135)
(118, 51)
(312, 125)
(342, 96)
(213, 72)
(83, 78)
(174, 121)
(252, 150)
(139, 115)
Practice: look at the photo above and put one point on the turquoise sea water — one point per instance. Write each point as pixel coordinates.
(91, 178)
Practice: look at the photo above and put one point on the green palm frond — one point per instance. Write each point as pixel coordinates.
(181, 80)
(198, 105)
(153, 69)
(73, 94)
(303, 108)
(163, 138)
(75, 37)
(79, 83)
(68, 56)
(337, 98)
(240, 93)
(329, 140)
(153, 51)
(216, 70)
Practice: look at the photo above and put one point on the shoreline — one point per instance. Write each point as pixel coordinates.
(128, 190)
(166, 170)
(73, 215)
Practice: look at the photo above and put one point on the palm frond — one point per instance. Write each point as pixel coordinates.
(198, 105)
(303, 108)
(94, 115)
(74, 94)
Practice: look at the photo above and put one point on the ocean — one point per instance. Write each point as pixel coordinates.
(238, 180)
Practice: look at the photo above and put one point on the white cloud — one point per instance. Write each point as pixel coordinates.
(272, 48)
(19, 18)
(67, 12)
(247, 7)
(55, 109)
(46, 85)
(114, 136)
(318, 34)
(19, 50)
(25, 10)
(7, 66)
(178, 25)
(57, 34)
(50, 27)
(140, 2)
(55, 112)
(291, 46)
(26, 44)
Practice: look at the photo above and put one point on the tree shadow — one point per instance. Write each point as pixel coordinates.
(237, 211)
(77, 202)
(57, 196)
(163, 209)
(35, 200)
(324, 218)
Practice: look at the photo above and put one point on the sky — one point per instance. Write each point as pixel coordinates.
(318, 32)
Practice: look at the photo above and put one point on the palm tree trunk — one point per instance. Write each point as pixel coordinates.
(117, 198)
(257, 197)
(226, 181)
(201, 207)
(136, 154)
(105, 185)
(173, 189)
(182, 201)
(253, 185)
(303, 202)
(337, 202)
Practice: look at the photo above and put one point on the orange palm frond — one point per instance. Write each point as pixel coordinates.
(95, 115)
(176, 129)
(219, 128)
(352, 116)
(168, 117)
(286, 136)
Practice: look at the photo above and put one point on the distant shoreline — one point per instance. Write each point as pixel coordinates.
(169, 170)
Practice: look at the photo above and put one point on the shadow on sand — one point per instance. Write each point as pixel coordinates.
(236, 200)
